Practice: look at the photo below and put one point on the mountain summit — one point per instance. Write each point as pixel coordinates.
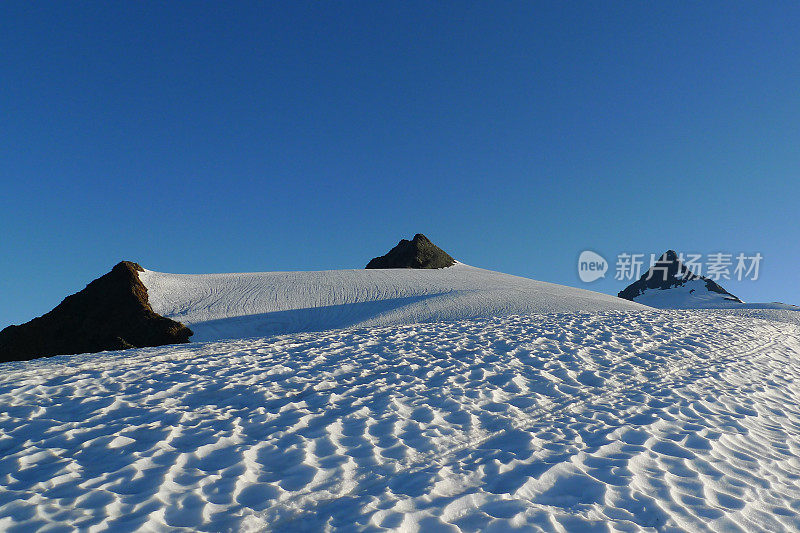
(112, 313)
(419, 252)
(670, 284)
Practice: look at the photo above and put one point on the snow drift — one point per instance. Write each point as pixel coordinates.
(219, 306)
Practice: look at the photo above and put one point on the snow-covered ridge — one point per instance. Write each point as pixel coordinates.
(218, 306)
(669, 284)
(694, 294)
(690, 294)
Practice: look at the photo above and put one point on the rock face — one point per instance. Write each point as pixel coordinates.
(111, 313)
(419, 252)
(669, 272)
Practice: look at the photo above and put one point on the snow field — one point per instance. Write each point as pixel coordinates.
(224, 306)
(583, 421)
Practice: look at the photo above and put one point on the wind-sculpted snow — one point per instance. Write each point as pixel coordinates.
(778, 313)
(613, 421)
(224, 306)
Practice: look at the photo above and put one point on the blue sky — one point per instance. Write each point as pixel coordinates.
(211, 137)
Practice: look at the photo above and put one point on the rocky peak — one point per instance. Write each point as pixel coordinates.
(419, 252)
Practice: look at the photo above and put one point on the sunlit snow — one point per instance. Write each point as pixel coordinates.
(220, 306)
(677, 420)
(452, 400)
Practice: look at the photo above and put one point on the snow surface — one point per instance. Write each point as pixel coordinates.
(221, 306)
(626, 421)
(779, 313)
(693, 294)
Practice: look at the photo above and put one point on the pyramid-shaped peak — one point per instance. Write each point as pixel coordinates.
(112, 312)
(669, 268)
(669, 272)
(419, 252)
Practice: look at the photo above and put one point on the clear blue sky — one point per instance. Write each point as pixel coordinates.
(213, 137)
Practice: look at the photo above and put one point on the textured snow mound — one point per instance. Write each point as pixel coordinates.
(663, 421)
(220, 306)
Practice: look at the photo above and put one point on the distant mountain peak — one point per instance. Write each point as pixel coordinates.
(419, 252)
(669, 272)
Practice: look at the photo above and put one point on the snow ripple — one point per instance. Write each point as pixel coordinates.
(619, 420)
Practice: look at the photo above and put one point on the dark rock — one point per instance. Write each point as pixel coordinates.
(111, 313)
(417, 253)
(670, 272)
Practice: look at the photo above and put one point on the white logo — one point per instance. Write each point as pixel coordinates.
(591, 266)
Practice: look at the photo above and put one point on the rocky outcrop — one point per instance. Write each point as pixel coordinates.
(111, 313)
(419, 252)
(669, 272)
